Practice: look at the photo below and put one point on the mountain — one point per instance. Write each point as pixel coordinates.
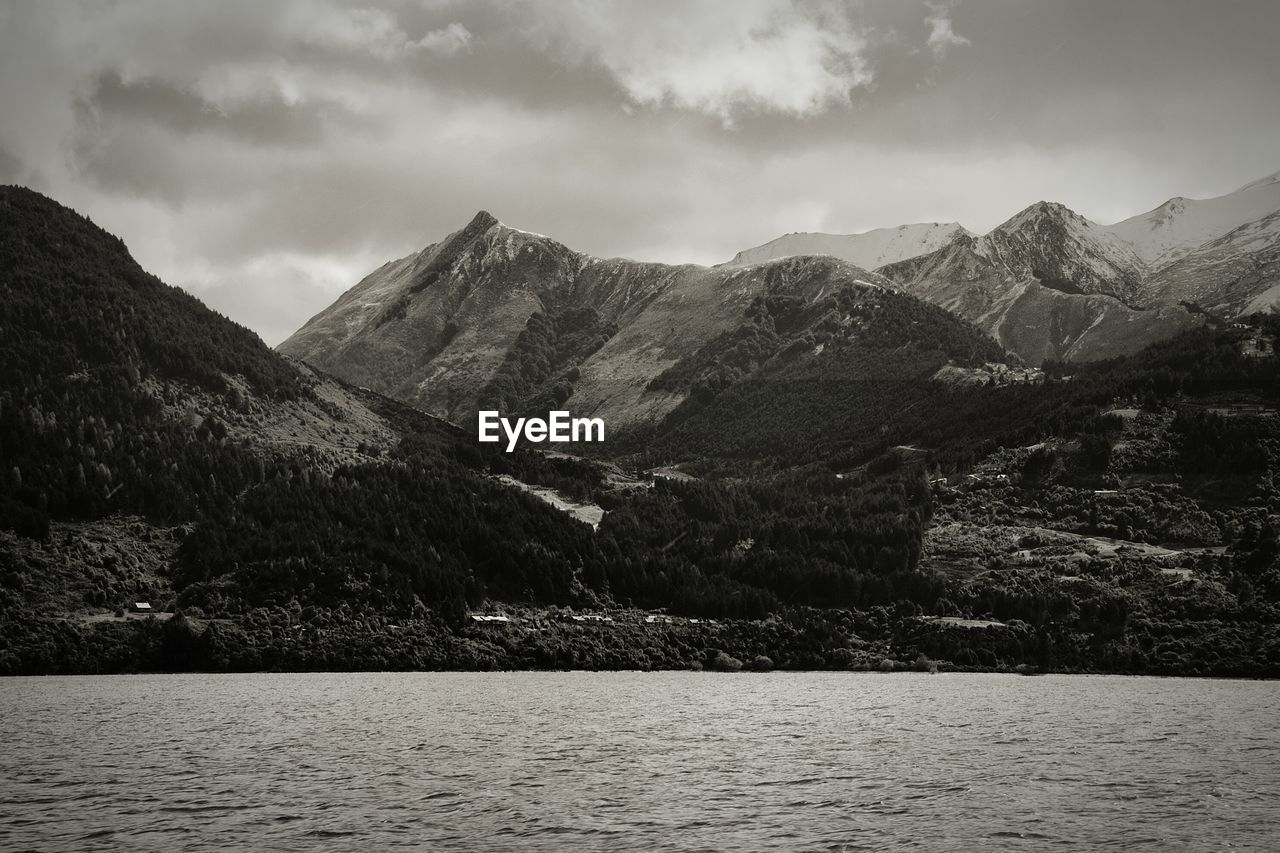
(501, 316)
(123, 397)
(1041, 285)
(132, 414)
(1049, 492)
(1062, 250)
(1180, 225)
(869, 249)
(1233, 275)
(1048, 283)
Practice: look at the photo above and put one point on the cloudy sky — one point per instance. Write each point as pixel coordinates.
(266, 155)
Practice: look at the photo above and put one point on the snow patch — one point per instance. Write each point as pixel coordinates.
(1180, 225)
(869, 249)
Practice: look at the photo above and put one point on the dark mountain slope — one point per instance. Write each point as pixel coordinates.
(91, 345)
(1030, 291)
(121, 394)
(74, 297)
(798, 383)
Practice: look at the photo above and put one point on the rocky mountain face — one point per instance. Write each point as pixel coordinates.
(1233, 275)
(1047, 284)
(497, 316)
(1062, 250)
(869, 250)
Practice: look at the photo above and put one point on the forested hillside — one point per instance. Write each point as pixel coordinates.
(846, 404)
(122, 395)
(89, 342)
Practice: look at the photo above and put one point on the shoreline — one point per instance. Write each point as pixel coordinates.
(703, 672)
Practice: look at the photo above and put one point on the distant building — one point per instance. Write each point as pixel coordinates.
(142, 607)
(590, 617)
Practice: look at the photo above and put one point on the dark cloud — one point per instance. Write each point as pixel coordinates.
(266, 156)
(265, 119)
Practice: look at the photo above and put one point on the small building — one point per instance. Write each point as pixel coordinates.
(141, 607)
(591, 617)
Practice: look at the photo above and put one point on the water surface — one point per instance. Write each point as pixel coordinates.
(635, 761)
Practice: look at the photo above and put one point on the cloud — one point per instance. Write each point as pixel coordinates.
(941, 36)
(362, 30)
(720, 59)
(287, 286)
(445, 41)
(259, 118)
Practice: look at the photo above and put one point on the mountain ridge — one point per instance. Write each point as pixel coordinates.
(1158, 236)
(1180, 225)
(1172, 255)
(439, 329)
(1037, 321)
(867, 249)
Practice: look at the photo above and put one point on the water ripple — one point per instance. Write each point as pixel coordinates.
(631, 761)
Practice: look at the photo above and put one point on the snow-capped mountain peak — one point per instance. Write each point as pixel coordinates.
(1044, 210)
(1180, 225)
(1273, 178)
(869, 249)
(1052, 243)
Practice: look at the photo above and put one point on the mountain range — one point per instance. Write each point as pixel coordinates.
(495, 314)
(1031, 281)
(501, 316)
(819, 471)
(869, 249)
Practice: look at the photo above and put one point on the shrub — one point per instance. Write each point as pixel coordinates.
(724, 662)
(925, 664)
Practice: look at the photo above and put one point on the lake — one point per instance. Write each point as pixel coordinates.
(637, 761)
